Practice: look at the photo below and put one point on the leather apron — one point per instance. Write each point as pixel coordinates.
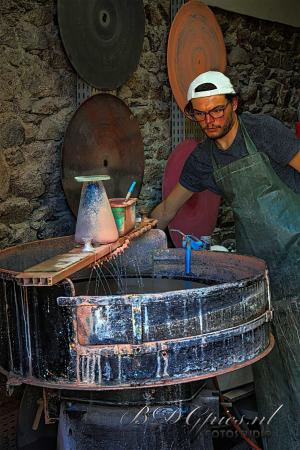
(267, 221)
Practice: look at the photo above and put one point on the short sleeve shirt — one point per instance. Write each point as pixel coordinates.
(269, 136)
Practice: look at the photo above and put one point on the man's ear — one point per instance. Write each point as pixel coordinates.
(235, 103)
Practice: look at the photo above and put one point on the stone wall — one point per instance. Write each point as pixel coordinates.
(38, 98)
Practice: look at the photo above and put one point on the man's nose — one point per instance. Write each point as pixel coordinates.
(208, 118)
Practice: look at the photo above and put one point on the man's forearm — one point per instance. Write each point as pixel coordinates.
(167, 209)
(162, 215)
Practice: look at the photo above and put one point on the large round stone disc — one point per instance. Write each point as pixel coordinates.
(195, 45)
(102, 137)
(102, 38)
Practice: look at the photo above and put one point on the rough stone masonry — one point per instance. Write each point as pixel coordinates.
(38, 98)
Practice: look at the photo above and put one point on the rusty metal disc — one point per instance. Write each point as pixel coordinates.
(103, 137)
(195, 45)
(102, 38)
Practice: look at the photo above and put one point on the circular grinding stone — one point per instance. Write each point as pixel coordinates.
(102, 38)
(195, 45)
(102, 137)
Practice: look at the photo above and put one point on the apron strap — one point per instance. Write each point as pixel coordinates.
(250, 146)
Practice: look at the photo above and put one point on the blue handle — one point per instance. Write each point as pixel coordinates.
(132, 187)
(128, 195)
(194, 244)
(188, 258)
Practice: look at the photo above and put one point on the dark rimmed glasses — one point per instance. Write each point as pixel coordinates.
(215, 113)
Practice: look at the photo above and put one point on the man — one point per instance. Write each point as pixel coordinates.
(254, 162)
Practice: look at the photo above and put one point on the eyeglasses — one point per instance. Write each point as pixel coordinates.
(215, 113)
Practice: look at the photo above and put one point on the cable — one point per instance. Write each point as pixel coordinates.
(231, 418)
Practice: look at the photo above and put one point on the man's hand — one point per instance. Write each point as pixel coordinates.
(166, 210)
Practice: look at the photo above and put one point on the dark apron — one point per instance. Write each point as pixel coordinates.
(267, 221)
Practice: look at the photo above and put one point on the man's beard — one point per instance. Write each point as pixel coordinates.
(223, 129)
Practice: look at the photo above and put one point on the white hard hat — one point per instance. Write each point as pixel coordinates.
(218, 79)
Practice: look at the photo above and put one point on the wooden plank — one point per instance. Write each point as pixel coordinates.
(59, 267)
(57, 263)
(44, 278)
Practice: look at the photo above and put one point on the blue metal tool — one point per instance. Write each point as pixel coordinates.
(190, 242)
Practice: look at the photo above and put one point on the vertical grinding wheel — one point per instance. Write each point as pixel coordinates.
(103, 137)
(102, 38)
(195, 46)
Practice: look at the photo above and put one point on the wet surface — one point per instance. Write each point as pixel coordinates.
(139, 285)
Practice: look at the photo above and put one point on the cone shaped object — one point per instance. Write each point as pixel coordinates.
(95, 221)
